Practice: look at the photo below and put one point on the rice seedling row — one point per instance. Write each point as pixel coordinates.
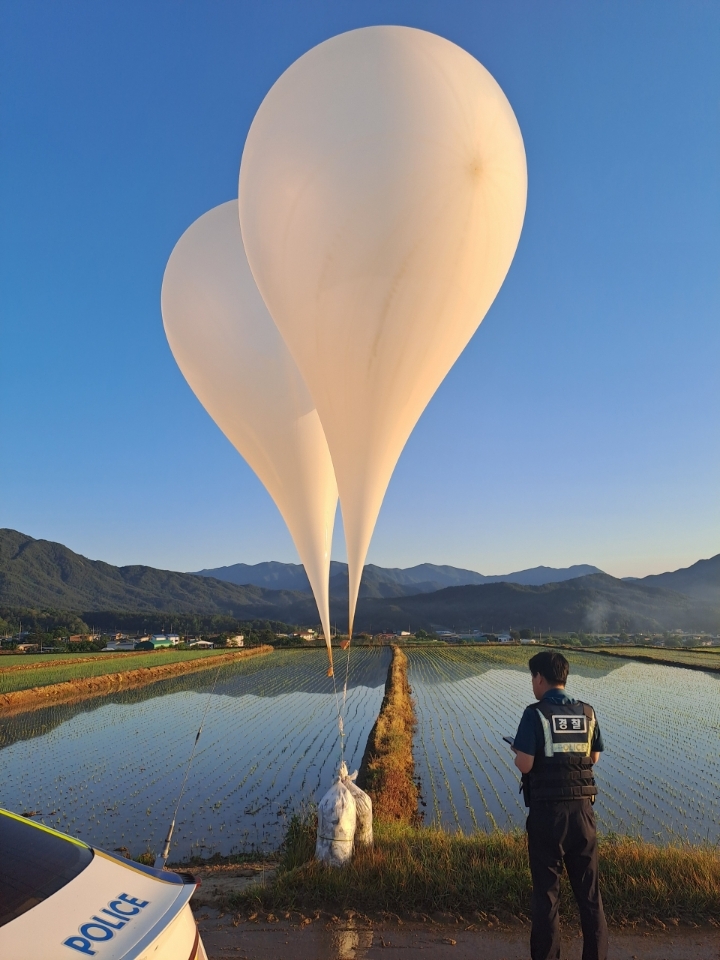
(33, 661)
(658, 777)
(45, 673)
(111, 773)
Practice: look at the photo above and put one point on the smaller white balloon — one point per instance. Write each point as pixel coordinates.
(232, 355)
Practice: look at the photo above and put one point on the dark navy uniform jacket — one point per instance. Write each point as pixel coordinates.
(526, 736)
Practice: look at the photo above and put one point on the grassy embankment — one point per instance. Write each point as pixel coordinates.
(55, 683)
(417, 871)
(387, 769)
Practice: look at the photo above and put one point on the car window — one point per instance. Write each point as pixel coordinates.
(34, 864)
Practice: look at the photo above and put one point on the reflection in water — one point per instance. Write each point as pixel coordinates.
(658, 777)
(233, 680)
(460, 662)
(351, 942)
(109, 770)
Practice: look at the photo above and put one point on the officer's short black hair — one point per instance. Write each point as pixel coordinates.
(550, 665)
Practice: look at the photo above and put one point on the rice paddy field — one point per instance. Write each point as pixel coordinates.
(21, 672)
(706, 657)
(659, 778)
(109, 770)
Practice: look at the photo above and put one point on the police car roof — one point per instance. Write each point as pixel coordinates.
(35, 862)
(52, 884)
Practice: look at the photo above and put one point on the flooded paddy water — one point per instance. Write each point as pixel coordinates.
(109, 769)
(659, 777)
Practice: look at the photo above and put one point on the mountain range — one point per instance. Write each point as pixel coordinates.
(384, 582)
(701, 580)
(596, 603)
(42, 574)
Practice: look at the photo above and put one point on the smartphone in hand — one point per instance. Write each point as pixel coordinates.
(510, 740)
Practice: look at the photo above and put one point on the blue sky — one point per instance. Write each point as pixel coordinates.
(581, 425)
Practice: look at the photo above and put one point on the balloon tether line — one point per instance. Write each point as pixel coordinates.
(347, 671)
(341, 711)
(341, 726)
(162, 859)
(345, 686)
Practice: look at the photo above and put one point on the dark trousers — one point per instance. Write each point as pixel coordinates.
(564, 833)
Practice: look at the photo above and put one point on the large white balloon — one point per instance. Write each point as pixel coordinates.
(232, 355)
(382, 195)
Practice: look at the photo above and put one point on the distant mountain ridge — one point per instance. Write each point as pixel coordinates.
(387, 582)
(43, 575)
(701, 580)
(596, 603)
(40, 573)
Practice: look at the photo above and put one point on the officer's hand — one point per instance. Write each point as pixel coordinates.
(524, 761)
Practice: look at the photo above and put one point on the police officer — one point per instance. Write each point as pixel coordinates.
(557, 742)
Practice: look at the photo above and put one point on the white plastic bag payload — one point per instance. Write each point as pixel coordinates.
(336, 825)
(363, 808)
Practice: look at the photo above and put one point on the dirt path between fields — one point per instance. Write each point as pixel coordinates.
(19, 701)
(319, 935)
(321, 938)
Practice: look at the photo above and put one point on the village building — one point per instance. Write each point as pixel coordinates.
(121, 644)
(157, 641)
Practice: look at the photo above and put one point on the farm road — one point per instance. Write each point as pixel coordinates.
(348, 940)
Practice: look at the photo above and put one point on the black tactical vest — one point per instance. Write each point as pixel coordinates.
(562, 769)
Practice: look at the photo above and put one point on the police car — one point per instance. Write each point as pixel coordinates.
(61, 899)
